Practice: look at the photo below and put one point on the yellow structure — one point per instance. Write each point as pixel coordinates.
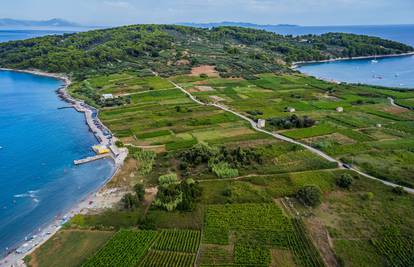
(100, 149)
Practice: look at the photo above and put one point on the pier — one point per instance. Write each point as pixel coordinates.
(90, 159)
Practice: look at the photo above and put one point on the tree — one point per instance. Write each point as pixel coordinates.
(345, 181)
(129, 201)
(310, 195)
(139, 191)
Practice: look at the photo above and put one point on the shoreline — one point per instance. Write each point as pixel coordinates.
(118, 155)
(297, 64)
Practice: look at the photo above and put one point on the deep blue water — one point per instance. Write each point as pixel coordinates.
(39, 142)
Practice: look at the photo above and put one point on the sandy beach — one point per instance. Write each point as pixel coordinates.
(100, 199)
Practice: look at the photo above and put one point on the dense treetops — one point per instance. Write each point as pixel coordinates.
(169, 50)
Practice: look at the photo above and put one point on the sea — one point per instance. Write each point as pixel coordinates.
(391, 72)
(39, 140)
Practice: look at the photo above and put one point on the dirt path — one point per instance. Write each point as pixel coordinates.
(287, 139)
(322, 241)
(150, 194)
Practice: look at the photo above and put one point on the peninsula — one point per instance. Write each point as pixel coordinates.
(235, 158)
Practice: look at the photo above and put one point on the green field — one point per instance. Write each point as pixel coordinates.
(253, 230)
(245, 176)
(68, 248)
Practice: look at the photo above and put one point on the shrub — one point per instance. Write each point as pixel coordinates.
(119, 143)
(129, 201)
(227, 192)
(368, 196)
(168, 179)
(399, 190)
(310, 195)
(345, 181)
(140, 191)
(223, 170)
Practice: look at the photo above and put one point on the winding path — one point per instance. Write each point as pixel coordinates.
(287, 139)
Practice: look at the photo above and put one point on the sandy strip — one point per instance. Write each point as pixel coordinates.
(100, 199)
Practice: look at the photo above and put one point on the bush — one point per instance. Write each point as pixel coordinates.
(140, 191)
(119, 143)
(223, 170)
(345, 181)
(310, 195)
(168, 179)
(399, 190)
(227, 192)
(129, 201)
(368, 196)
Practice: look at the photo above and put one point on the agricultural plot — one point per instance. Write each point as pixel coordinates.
(252, 230)
(175, 248)
(398, 250)
(126, 248)
(167, 259)
(127, 83)
(178, 240)
(367, 115)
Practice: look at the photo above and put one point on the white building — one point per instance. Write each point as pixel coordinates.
(261, 123)
(107, 96)
(340, 109)
(290, 109)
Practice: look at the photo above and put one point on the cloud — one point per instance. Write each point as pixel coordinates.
(118, 4)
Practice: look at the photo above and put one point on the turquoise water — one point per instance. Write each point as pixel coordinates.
(9, 35)
(391, 72)
(39, 142)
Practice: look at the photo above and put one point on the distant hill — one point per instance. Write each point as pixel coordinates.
(171, 50)
(235, 24)
(6, 22)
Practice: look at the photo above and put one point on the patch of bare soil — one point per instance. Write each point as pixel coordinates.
(322, 241)
(217, 98)
(182, 62)
(150, 194)
(204, 69)
(124, 175)
(282, 258)
(395, 110)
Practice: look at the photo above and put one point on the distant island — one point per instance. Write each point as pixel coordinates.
(55, 22)
(235, 24)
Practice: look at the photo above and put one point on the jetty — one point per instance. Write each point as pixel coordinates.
(90, 159)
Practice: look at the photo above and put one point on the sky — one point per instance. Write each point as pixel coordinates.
(301, 12)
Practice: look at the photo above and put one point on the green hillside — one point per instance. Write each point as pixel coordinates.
(170, 50)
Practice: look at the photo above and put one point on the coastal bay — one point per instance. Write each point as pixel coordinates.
(39, 142)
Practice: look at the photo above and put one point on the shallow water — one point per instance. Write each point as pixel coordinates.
(39, 142)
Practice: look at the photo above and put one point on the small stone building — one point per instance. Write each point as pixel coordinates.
(340, 109)
(261, 123)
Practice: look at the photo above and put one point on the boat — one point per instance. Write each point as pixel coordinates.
(374, 60)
